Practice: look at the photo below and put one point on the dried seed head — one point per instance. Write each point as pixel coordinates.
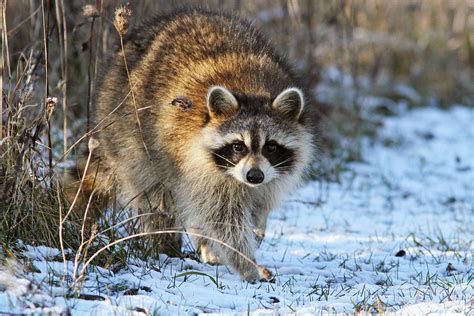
(94, 230)
(93, 144)
(50, 105)
(90, 11)
(121, 20)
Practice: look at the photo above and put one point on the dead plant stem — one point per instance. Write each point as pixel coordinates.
(46, 84)
(133, 95)
(89, 75)
(63, 50)
(81, 275)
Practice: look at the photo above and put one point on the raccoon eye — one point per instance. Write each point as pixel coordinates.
(238, 147)
(271, 147)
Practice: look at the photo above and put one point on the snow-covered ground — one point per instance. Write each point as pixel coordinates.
(395, 235)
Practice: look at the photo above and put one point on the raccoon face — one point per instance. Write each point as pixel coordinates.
(255, 140)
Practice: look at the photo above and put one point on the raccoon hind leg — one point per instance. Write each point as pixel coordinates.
(157, 212)
(91, 186)
(208, 255)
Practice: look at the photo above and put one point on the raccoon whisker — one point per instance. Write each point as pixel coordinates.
(222, 166)
(222, 157)
(281, 171)
(282, 162)
(279, 167)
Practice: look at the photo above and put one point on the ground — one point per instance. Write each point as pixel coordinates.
(396, 235)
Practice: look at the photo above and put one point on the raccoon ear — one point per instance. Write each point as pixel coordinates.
(290, 103)
(221, 102)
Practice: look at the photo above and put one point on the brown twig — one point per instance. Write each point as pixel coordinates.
(93, 144)
(90, 11)
(99, 52)
(121, 23)
(60, 229)
(63, 50)
(264, 272)
(46, 84)
(5, 62)
(1, 77)
(50, 106)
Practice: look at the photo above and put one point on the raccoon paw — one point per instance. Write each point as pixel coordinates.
(266, 274)
(182, 103)
(207, 256)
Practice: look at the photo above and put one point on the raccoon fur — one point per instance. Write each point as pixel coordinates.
(224, 132)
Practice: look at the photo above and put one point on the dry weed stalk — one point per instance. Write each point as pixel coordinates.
(1, 77)
(5, 49)
(63, 50)
(5, 65)
(49, 109)
(121, 23)
(93, 144)
(50, 103)
(91, 12)
(78, 279)
(103, 34)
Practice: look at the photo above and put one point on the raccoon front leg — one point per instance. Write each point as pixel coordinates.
(238, 251)
(260, 217)
(232, 240)
(208, 256)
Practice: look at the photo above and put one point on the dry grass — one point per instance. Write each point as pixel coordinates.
(53, 49)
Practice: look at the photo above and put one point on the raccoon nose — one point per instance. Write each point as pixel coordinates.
(255, 176)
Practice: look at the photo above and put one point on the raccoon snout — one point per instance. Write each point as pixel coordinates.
(255, 176)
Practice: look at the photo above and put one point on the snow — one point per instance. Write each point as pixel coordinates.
(395, 235)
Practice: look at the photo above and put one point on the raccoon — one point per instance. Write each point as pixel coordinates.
(208, 135)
